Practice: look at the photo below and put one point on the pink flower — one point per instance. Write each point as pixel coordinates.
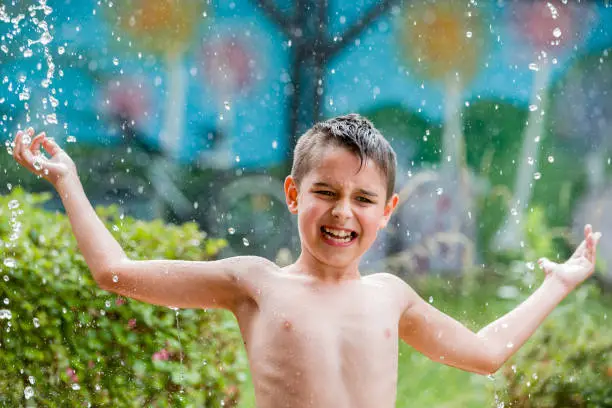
(72, 374)
(119, 301)
(161, 355)
(131, 323)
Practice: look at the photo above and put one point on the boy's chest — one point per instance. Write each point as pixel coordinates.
(301, 321)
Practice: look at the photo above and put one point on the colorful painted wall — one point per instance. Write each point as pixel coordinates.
(494, 108)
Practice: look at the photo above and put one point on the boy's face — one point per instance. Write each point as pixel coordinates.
(340, 208)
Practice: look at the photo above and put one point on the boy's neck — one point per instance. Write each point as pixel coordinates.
(309, 266)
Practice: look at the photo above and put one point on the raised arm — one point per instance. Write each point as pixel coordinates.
(445, 340)
(220, 284)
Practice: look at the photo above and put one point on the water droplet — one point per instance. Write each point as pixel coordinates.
(10, 263)
(439, 191)
(468, 34)
(107, 303)
(557, 32)
(533, 108)
(38, 163)
(13, 204)
(36, 324)
(76, 387)
(45, 38)
(226, 105)
(28, 392)
(245, 242)
(5, 314)
(534, 67)
(431, 299)
(530, 266)
(231, 231)
(31, 379)
(61, 50)
(537, 175)
(530, 161)
(551, 159)
(27, 53)
(115, 61)
(54, 102)
(6, 301)
(510, 345)
(71, 139)
(274, 144)
(51, 118)
(115, 278)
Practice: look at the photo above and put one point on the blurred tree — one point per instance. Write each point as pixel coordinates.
(312, 48)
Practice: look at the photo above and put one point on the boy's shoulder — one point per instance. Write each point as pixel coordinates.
(394, 285)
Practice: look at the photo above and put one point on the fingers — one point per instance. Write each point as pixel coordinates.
(36, 142)
(50, 146)
(27, 150)
(546, 264)
(588, 229)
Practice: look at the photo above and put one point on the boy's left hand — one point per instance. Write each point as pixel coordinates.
(579, 266)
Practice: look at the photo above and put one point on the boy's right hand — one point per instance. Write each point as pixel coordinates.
(27, 152)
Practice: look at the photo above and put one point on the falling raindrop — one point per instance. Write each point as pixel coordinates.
(5, 314)
(71, 139)
(76, 387)
(551, 159)
(226, 105)
(36, 324)
(468, 34)
(537, 175)
(533, 108)
(245, 242)
(231, 231)
(534, 67)
(13, 204)
(10, 263)
(557, 32)
(115, 61)
(439, 191)
(115, 278)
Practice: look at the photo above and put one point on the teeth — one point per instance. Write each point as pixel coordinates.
(338, 233)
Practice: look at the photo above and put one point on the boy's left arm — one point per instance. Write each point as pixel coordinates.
(443, 339)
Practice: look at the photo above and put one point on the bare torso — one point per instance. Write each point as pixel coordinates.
(311, 344)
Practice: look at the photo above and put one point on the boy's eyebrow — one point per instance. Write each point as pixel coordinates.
(361, 190)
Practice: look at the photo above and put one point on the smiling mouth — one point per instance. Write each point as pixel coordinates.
(341, 236)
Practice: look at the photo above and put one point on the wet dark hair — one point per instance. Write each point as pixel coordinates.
(352, 132)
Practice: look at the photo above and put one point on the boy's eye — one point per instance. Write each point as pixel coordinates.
(323, 192)
(364, 200)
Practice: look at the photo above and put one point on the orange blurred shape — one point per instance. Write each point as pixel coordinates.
(441, 39)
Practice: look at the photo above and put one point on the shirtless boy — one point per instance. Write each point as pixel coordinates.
(317, 334)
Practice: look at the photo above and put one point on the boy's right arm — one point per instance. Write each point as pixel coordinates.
(216, 284)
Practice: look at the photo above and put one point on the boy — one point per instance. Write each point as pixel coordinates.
(317, 334)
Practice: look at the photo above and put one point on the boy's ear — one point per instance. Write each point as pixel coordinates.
(389, 208)
(291, 194)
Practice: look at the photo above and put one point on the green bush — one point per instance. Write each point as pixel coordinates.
(568, 363)
(74, 344)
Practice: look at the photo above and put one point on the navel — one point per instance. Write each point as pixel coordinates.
(387, 333)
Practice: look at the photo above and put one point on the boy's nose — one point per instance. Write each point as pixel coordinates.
(342, 209)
